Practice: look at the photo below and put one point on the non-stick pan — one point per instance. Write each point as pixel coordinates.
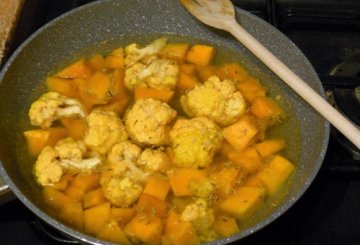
(105, 25)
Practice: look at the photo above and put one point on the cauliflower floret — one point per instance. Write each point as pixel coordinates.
(216, 99)
(47, 169)
(72, 154)
(105, 129)
(148, 120)
(153, 160)
(122, 160)
(134, 53)
(52, 106)
(160, 74)
(202, 217)
(119, 190)
(194, 141)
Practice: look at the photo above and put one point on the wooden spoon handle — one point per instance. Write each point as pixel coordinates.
(346, 127)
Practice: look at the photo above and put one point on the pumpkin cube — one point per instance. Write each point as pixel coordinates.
(201, 55)
(96, 217)
(275, 174)
(244, 203)
(182, 179)
(116, 59)
(251, 88)
(147, 229)
(224, 180)
(186, 82)
(112, 232)
(76, 127)
(72, 214)
(157, 186)
(78, 69)
(151, 205)
(145, 93)
(226, 226)
(97, 62)
(266, 108)
(175, 50)
(93, 198)
(270, 146)
(122, 215)
(178, 232)
(63, 86)
(54, 198)
(241, 133)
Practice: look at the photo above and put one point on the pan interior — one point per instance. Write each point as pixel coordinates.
(118, 23)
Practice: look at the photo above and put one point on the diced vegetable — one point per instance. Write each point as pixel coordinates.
(175, 50)
(275, 174)
(186, 82)
(251, 89)
(93, 198)
(78, 69)
(206, 72)
(240, 134)
(226, 226)
(201, 55)
(182, 178)
(244, 202)
(37, 139)
(157, 186)
(145, 93)
(63, 183)
(270, 146)
(248, 159)
(233, 71)
(188, 69)
(122, 215)
(96, 217)
(113, 232)
(72, 214)
(151, 205)
(116, 59)
(81, 184)
(97, 62)
(54, 198)
(224, 180)
(63, 86)
(266, 108)
(76, 127)
(117, 104)
(178, 232)
(145, 228)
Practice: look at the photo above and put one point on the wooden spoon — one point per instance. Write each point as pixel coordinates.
(220, 14)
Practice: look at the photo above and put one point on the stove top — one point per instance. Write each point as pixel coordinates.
(328, 33)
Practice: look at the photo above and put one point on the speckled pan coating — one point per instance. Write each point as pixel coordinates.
(120, 21)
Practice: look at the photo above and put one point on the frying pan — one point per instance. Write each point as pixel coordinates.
(105, 25)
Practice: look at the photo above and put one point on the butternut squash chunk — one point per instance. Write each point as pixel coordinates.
(240, 134)
(116, 59)
(178, 232)
(37, 139)
(270, 146)
(244, 203)
(117, 104)
(224, 180)
(233, 71)
(54, 198)
(266, 108)
(206, 72)
(99, 85)
(188, 69)
(162, 95)
(97, 62)
(63, 183)
(72, 214)
(93, 198)
(95, 218)
(151, 205)
(147, 229)
(201, 55)
(157, 186)
(176, 51)
(78, 69)
(182, 179)
(112, 232)
(226, 226)
(66, 87)
(275, 174)
(249, 160)
(76, 127)
(251, 89)
(82, 183)
(186, 82)
(122, 215)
